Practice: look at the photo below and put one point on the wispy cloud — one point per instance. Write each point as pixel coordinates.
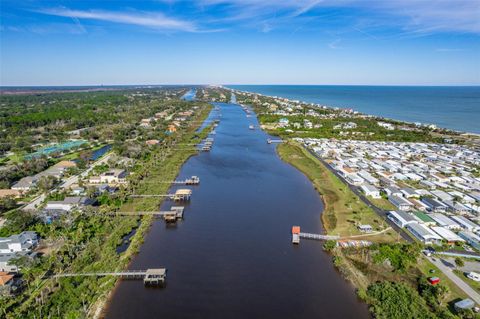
(150, 20)
(449, 50)
(335, 44)
(415, 16)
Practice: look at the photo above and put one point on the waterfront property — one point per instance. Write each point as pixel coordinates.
(152, 276)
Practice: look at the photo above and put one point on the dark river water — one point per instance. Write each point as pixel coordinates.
(232, 256)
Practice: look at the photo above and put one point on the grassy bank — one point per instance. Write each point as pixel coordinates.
(91, 241)
(344, 211)
(390, 275)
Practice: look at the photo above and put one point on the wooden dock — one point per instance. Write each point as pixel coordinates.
(297, 234)
(318, 236)
(180, 195)
(177, 211)
(194, 180)
(270, 141)
(152, 276)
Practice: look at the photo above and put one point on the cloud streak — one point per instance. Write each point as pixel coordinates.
(151, 20)
(415, 16)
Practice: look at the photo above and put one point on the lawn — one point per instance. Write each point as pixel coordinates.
(344, 211)
(382, 203)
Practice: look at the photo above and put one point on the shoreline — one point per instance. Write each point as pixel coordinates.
(144, 228)
(379, 117)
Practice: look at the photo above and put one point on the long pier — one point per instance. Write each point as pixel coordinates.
(194, 180)
(270, 141)
(318, 236)
(152, 276)
(176, 212)
(297, 234)
(180, 195)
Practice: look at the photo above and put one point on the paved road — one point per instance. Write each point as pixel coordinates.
(37, 201)
(443, 265)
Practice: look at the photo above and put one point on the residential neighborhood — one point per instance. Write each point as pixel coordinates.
(433, 188)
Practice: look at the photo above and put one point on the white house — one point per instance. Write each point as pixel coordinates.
(400, 218)
(444, 221)
(423, 234)
(466, 223)
(354, 179)
(400, 202)
(370, 190)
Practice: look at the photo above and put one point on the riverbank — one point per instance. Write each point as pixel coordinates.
(235, 236)
(344, 211)
(384, 264)
(162, 167)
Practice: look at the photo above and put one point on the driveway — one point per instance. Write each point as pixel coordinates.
(447, 270)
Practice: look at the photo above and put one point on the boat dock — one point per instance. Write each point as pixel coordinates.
(297, 234)
(270, 141)
(152, 276)
(207, 144)
(194, 180)
(174, 210)
(179, 195)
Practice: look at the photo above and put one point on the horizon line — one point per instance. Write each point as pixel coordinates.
(231, 84)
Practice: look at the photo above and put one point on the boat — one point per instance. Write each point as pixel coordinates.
(251, 127)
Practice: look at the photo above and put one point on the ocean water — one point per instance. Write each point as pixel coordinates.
(452, 107)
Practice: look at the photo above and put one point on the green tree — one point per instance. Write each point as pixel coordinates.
(396, 301)
(459, 262)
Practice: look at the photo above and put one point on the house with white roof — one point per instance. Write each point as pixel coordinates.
(465, 223)
(471, 238)
(424, 234)
(370, 190)
(447, 234)
(354, 179)
(434, 205)
(400, 218)
(444, 221)
(400, 202)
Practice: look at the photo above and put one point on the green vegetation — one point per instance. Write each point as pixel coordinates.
(400, 255)
(213, 94)
(367, 129)
(396, 301)
(323, 121)
(390, 275)
(87, 240)
(344, 211)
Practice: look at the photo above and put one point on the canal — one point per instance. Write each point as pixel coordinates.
(232, 256)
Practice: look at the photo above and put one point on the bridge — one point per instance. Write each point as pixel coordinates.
(152, 276)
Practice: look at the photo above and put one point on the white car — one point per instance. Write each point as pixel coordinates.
(474, 276)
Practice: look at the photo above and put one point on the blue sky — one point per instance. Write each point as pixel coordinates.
(395, 42)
